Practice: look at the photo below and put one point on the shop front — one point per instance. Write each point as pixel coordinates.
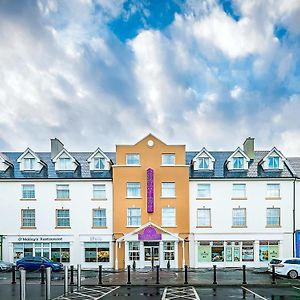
(151, 245)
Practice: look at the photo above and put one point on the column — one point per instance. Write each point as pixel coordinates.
(116, 254)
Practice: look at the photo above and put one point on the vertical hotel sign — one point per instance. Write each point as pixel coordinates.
(150, 190)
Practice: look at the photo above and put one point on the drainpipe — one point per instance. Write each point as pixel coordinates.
(294, 217)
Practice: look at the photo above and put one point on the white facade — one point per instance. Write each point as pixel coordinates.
(45, 236)
(242, 241)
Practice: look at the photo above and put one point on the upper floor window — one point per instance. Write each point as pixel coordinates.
(273, 190)
(29, 163)
(273, 162)
(132, 159)
(203, 163)
(168, 216)
(133, 217)
(239, 217)
(239, 190)
(28, 191)
(99, 191)
(238, 162)
(203, 190)
(99, 217)
(65, 163)
(62, 191)
(168, 189)
(28, 217)
(273, 217)
(204, 217)
(133, 189)
(99, 163)
(168, 159)
(63, 218)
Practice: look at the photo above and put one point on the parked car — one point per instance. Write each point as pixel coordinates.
(32, 263)
(6, 266)
(288, 267)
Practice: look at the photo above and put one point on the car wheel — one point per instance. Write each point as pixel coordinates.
(293, 274)
(21, 268)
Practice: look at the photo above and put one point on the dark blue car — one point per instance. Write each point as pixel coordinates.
(31, 263)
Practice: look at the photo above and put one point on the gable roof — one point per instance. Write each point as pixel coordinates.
(203, 150)
(28, 150)
(274, 149)
(238, 149)
(98, 150)
(55, 158)
(150, 135)
(5, 159)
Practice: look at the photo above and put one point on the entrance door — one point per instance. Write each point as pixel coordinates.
(151, 250)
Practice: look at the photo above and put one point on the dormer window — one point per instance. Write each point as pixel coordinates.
(273, 162)
(65, 163)
(29, 163)
(99, 163)
(238, 162)
(203, 163)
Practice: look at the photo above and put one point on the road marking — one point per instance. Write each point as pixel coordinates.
(187, 292)
(253, 293)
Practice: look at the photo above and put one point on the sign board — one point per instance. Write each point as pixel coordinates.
(149, 234)
(150, 190)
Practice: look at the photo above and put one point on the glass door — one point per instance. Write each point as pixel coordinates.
(151, 251)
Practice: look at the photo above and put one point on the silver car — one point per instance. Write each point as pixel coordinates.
(5, 266)
(289, 267)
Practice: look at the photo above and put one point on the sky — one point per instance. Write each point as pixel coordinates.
(96, 73)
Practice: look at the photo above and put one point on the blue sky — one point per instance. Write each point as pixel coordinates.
(196, 72)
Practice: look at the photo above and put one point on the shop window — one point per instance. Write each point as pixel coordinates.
(239, 190)
(133, 190)
(233, 251)
(247, 251)
(268, 250)
(217, 252)
(168, 189)
(133, 217)
(169, 250)
(204, 252)
(273, 190)
(99, 191)
(203, 190)
(62, 191)
(96, 252)
(60, 252)
(134, 250)
(99, 217)
(28, 191)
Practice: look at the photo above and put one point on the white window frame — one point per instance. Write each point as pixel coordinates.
(99, 218)
(28, 219)
(134, 251)
(271, 191)
(100, 161)
(31, 165)
(168, 159)
(168, 190)
(130, 216)
(60, 189)
(133, 189)
(28, 194)
(200, 188)
(100, 189)
(240, 158)
(65, 166)
(238, 192)
(61, 218)
(133, 159)
(235, 217)
(202, 165)
(271, 162)
(203, 221)
(168, 219)
(269, 209)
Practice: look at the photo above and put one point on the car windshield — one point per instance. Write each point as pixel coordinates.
(275, 261)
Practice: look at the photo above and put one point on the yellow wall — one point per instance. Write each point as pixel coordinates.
(151, 157)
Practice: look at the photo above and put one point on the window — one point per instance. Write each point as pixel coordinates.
(203, 190)
(134, 250)
(99, 217)
(239, 190)
(168, 216)
(65, 163)
(268, 250)
(239, 217)
(28, 191)
(204, 217)
(99, 191)
(169, 251)
(134, 217)
(238, 163)
(99, 163)
(133, 189)
(96, 252)
(168, 159)
(273, 217)
(60, 252)
(62, 191)
(203, 163)
(168, 189)
(29, 163)
(273, 190)
(132, 159)
(217, 251)
(28, 217)
(247, 251)
(273, 162)
(62, 218)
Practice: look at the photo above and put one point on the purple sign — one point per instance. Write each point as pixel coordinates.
(149, 234)
(150, 191)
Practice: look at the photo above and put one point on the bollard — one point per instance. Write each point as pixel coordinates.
(128, 275)
(185, 275)
(273, 275)
(72, 274)
(48, 283)
(78, 277)
(168, 264)
(13, 275)
(66, 283)
(215, 274)
(244, 274)
(100, 275)
(134, 265)
(42, 275)
(22, 284)
(157, 274)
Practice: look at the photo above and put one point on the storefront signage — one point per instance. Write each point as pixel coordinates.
(39, 239)
(150, 190)
(149, 234)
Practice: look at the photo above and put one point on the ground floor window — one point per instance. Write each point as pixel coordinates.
(247, 251)
(58, 252)
(217, 251)
(268, 250)
(96, 252)
(169, 250)
(233, 251)
(134, 250)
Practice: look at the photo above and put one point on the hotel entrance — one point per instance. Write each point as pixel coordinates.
(151, 251)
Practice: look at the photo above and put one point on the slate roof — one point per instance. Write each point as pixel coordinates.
(83, 171)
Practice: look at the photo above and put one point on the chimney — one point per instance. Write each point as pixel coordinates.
(56, 147)
(249, 147)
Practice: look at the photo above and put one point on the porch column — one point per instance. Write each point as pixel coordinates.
(183, 258)
(116, 260)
